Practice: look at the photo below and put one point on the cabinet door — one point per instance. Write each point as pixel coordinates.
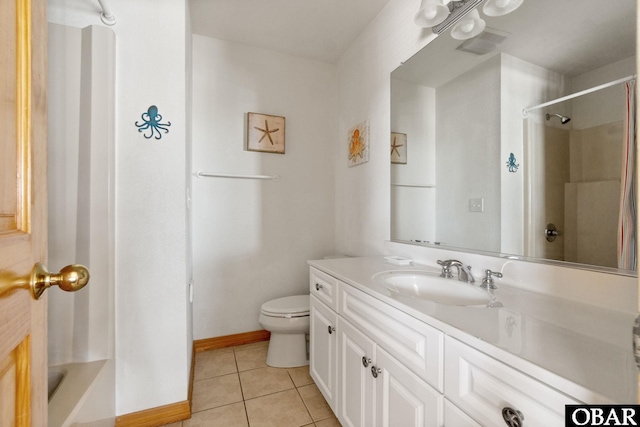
(414, 343)
(323, 350)
(356, 356)
(404, 399)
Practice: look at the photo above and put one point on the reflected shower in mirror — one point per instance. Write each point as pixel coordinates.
(500, 157)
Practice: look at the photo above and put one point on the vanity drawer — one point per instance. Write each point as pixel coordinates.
(324, 287)
(482, 387)
(453, 416)
(415, 344)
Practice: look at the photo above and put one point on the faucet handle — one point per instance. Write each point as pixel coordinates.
(487, 280)
(446, 268)
(448, 262)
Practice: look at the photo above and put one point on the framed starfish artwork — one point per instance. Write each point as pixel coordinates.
(399, 148)
(265, 133)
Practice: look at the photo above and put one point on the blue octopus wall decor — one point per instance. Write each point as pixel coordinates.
(151, 120)
(511, 164)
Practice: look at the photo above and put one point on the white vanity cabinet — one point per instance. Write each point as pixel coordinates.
(356, 384)
(484, 387)
(374, 387)
(323, 344)
(323, 350)
(415, 344)
(455, 417)
(402, 398)
(379, 366)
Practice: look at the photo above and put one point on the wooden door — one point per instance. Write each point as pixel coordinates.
(23, 204)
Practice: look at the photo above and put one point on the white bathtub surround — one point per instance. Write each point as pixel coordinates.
(81, 154)
(78, 386)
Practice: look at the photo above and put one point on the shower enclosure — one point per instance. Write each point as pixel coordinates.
(575, 151)
(81, 221)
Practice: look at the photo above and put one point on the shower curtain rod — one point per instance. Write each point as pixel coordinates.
(577, 94)
(106, 15)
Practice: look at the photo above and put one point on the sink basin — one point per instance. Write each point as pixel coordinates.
(430, 286)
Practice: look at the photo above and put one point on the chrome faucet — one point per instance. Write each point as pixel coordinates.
(464, 271)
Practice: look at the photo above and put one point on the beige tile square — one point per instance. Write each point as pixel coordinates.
(315, 403)
(300, 376)
(233, 415)
(214, 363)
(331, 422)
(251, 358)
(217, 391)
(176, 424)
(283, 409)
(251, 345)
(263, 381)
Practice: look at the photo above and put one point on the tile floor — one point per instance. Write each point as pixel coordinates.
(234, 387)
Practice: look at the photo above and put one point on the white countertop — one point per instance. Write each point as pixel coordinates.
(582, 350)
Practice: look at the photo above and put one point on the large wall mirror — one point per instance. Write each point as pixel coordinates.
(478, 166)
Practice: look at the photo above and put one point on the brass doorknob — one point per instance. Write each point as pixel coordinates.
(71, 278)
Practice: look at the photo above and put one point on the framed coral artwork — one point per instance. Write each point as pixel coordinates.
(399, 148)
(265, 133)
(358, 140)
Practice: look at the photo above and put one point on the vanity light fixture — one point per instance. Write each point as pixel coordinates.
(469, 26)
(431, 13)
(461, 15)
(500, 7)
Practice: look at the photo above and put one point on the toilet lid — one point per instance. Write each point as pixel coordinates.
(294, 305)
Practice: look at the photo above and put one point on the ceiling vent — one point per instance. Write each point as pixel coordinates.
(486, 42)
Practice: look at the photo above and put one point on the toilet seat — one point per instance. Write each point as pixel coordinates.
(287, 307)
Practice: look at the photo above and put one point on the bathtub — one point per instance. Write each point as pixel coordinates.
(56, 375)
(70, 386)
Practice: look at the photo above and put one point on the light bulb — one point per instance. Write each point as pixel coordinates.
(431, 13)
(500, 7)
(469, 26)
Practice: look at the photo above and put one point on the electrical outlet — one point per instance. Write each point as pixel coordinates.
(476, 205)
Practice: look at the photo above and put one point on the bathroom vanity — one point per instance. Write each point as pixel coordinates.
(384, 357)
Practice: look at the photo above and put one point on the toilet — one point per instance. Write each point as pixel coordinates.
(288, 321)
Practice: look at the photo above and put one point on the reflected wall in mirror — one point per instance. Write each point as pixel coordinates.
(482, 175)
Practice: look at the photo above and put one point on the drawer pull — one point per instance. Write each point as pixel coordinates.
(318, 286)
(331, 329)
(365, 361)
(375, 371)
(512, 417)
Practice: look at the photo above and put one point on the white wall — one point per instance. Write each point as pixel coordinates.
(362, 192)
(252, 238)
(152, 332)
(152, 349)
